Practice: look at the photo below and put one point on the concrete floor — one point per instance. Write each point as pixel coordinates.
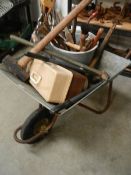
(81, 143)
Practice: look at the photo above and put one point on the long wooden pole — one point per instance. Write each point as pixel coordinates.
(57, 29)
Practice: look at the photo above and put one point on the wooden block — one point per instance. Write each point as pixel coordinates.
(50, 80)
(78, 84)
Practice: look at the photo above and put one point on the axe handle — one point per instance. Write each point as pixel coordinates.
(103, 75)
(57, 29)
(98, 35)
(93, 15)
(21, 40)
(128, 54)
(73, 46)
(100, 50)
(82, 41)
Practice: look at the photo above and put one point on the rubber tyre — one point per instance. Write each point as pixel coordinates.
(30, 123)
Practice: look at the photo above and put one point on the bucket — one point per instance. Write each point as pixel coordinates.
(82, 57)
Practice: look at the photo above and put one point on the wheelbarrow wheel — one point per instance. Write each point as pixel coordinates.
(40, 121)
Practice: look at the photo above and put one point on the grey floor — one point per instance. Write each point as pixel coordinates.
(81, 142)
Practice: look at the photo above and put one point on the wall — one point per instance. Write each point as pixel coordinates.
(63, 5)
(35, 9)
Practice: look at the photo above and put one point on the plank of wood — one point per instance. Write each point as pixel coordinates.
(125, 26)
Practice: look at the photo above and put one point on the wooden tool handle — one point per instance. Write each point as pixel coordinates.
(93, 15)
(57, 29)
(81, 66)
(102, 46)
(73, 46)
(128, 54)
(82, 41)
(98, 35)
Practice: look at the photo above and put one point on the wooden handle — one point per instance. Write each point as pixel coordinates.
(102, 46)
(98, 35)
(128, 54)
(73, 46)
(57, 29)
(59, 56)
(82, 41)
(93, 15)
(76, 47)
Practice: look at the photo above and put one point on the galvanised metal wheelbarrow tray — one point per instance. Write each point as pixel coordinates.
(40, 122)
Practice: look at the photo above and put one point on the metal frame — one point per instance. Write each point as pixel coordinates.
(56, 115)
(107, 103)
(110, 63)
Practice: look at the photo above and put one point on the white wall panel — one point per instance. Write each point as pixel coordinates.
(63, 5)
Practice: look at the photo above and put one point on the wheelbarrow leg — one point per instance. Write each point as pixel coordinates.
(107, 105)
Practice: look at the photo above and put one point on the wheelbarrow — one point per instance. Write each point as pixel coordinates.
(41, 121)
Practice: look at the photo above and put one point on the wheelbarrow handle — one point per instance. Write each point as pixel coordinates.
(67, 104)
(101, 74)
